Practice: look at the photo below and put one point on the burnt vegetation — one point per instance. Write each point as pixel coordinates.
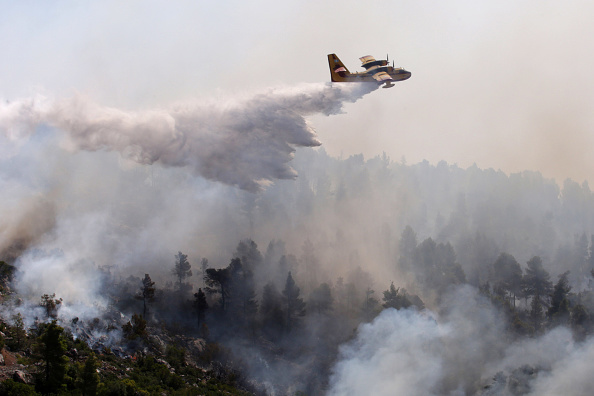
(273, 319)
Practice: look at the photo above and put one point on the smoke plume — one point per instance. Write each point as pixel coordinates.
(411, 353)
(460, 351)
(69, 205)
(247, 142)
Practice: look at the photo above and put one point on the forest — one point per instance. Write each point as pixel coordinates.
(354, 267)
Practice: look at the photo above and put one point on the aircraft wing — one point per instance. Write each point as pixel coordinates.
(367, 59)
(382, 77)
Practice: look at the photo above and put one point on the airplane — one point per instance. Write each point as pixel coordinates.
(378, 71)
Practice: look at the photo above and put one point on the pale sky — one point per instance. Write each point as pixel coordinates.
(500, 83)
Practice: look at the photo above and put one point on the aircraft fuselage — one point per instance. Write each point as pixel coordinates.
(397, 74)
(377, 71)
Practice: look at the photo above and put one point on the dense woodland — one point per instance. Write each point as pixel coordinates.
(345, 241)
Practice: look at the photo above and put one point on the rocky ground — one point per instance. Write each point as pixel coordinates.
(10, 368)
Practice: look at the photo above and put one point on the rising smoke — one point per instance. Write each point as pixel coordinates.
(73, 200)
(465, 351)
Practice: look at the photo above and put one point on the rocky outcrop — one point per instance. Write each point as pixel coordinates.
(21, 376)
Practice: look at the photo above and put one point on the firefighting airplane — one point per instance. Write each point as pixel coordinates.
(375, 71)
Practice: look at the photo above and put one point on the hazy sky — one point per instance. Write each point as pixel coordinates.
(504, 84)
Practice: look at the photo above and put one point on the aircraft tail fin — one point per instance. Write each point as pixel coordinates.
(338, 71)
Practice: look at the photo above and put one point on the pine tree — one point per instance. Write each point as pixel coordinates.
(370, 305)
(51, 305)
(271, 311)
(147, 292)
(182, 269)
(241, 301)
(558, 312)
(579, 321)
(18, 333)
(536, 281)
(218, 282)
(247, 251)
(135, 328)
(89, 379)
(536, 312)
(51, 348)
(201, 306)
(294, 304)
(508, 276)
(395, 298)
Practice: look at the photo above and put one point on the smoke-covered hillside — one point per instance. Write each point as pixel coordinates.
(289, 274)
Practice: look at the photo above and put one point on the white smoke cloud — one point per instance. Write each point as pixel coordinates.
(398, 353)
(410, 353)
(247, 142)
(66, 212)
(458, 352)
(571, 372)
(78, 278)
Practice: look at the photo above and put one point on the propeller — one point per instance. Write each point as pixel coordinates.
(388, 61)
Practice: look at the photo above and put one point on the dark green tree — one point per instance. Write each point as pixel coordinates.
(537, 282)
(294, 305)
(507, 277)
(176, 356)
(538, 286)
(242, 304)
(247, 251)
(51, 305)
(395, 298)
(451, 271)
(536, 313)
(558, 312)
(147, 293)
(272, 316)
(286, 263)
(89, 379)
(200, 305)
(246, 304)
(6, 273)
(10, 387)
(51, 348)
(436, 267)
(579, 321)
(18, 333)
(135, 328)
(235, 285)
(370, 306)
(182, 269)
(218, 281)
